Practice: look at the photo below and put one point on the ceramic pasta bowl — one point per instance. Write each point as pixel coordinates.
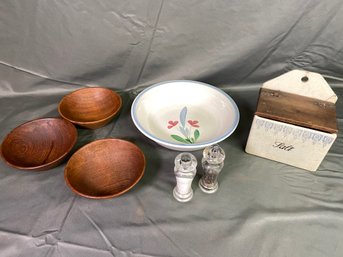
(185, 115)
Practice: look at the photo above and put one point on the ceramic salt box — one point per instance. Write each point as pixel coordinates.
(295, 122)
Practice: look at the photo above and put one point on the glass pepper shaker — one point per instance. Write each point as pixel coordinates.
(184, 170)
(212, 163)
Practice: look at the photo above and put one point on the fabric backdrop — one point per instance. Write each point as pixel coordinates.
(262, 208)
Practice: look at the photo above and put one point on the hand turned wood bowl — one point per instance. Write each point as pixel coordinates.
(39, 144)
(105, 168)
(90, 107)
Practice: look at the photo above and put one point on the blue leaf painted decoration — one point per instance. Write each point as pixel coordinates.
(183, 131)
(183, 115)
(187, 132)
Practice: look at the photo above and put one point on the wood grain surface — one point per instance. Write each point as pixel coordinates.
(90, 107)
(297, 110)
(39, 144)
(105, 168)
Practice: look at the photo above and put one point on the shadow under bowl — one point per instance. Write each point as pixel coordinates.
(39, 144)
(90, 107)
(105, 168)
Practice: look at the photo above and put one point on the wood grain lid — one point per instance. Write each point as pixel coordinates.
(297, 110)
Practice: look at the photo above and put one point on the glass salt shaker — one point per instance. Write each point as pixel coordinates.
(212, 163)
(184, 170)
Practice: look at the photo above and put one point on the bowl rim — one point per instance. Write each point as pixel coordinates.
(94, 121)
(40, 167)
(180, 145)
(111, 195)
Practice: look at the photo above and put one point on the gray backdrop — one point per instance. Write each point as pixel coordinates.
(263, 208)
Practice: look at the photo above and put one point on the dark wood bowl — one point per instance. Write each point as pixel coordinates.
(91, 108)
(39, 144)
(105, 168)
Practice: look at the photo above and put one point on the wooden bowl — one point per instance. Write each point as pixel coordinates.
(90, 107)
(39, 144)
(105, 168)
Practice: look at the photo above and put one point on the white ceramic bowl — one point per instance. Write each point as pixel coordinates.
(185, 115)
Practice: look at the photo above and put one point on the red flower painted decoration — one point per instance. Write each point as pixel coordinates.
(193, 123)
(172, 124)
(188, 136)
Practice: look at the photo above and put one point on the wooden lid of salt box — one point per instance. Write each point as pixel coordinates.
(300, 98)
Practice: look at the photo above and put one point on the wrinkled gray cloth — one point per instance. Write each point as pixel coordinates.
(262, 208)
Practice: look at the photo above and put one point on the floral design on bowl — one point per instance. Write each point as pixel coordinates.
(186, 129)
(200, 116)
